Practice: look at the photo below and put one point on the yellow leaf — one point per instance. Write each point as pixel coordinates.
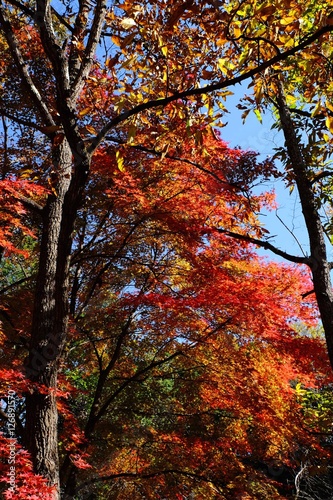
(117, 40)
(129, 62)
(237, 32)
(258, 115)
(243, 57)
(120, 161)
(221, 66)
(329, 123)
(225, 65)
(91, 129)
(84, 111)
(287, 20)
(164, 50)
(317, 109)
(290, 42)
(220, 42)
(329, 105)
(259, 91)
(25, 173)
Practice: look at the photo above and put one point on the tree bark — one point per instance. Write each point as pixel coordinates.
(50, 319)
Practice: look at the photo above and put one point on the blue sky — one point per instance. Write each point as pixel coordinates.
(261, 138)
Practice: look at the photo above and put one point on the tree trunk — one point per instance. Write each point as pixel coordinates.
(318, 256)
(50, 319)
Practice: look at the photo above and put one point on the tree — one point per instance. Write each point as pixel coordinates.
(167, 300)
(65, 100)
(180, 281)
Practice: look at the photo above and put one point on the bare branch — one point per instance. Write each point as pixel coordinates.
(61, 19)
(267, 246)
(31, 13)
(31, 204)
(23, 7)
(20, 121)
(137, 375)
(80, 28)
(306, 294)
(13, 285)
(289, 231)
(5, 148)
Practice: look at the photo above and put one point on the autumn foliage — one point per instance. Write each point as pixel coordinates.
(188, 340)
(147, 350)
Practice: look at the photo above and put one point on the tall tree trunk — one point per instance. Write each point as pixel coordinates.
(318, 255)
(50, 321)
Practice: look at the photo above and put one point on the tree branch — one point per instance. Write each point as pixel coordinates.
(61, 19)
(88, 58)
(77, 40)
(321, 175)
(23, 7)
(20, 121)
(175, 158)
(207, 89)
(31, 204)
(52, 49)
(23, 68)
(148, 475)
(31, 13)
(134, 377)
(267, 246)
(13, 285)
(318, 252)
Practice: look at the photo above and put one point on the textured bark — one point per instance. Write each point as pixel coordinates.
(49, 327)
(51, 310)
(71, 164)
(318, 255)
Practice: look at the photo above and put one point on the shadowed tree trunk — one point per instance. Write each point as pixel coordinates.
(318, 261)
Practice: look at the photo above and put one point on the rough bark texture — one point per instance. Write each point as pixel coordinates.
(49, 327)
(71, 164)
(318, 256)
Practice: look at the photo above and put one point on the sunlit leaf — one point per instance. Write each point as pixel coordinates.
(127, 23)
